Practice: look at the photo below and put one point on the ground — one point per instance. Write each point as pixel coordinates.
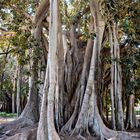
(29, 132)
(4, 120)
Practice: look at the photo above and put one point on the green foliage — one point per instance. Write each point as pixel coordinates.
(7, 115)
(16, 42)
(93, 36)
(72, 14)
(131, 65)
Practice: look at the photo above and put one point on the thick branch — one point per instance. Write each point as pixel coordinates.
(41, 11)
(80, 14)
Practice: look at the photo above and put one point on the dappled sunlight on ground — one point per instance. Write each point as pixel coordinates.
(4, 120)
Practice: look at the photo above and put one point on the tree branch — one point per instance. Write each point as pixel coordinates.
(5, 53)
(41, 11)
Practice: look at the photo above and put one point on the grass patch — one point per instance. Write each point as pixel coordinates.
(7, 115)
(137, 112)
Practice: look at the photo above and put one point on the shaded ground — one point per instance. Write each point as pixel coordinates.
(28, 132)
(24, 131)
(79, 138)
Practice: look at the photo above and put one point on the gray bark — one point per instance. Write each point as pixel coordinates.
(52, 62)
(19, 82)
(14, 92)
(118, 81)
(112, 80)
(42, 133)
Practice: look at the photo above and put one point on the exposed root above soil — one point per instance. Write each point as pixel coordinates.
(20, 129)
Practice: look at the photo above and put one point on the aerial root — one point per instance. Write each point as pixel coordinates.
(67, 128)
(80, 137)
(82, 131)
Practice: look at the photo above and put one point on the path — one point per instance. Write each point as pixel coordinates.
(4, 120)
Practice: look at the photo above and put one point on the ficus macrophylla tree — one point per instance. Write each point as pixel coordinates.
(85, 117)
(73, 78)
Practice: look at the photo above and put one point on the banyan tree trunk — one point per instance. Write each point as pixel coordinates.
(116, 80)
(42, 133)
(131, 120)
(85, 117)
(19, 83)
(31, 110)
(112, 80)
(52, 65)
(14, 92)
(49, 132)
(86, 113)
